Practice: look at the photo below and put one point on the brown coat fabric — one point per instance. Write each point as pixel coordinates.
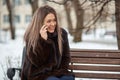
(48, 61)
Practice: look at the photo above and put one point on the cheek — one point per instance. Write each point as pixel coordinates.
(47, 24)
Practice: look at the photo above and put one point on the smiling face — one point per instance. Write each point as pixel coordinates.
(50, 22)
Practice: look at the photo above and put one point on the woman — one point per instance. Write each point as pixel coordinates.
(47, 48)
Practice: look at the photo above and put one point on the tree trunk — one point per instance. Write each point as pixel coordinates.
(12, 28)
(79, 24)
(70, 27)
(34, 5)
(117, 15)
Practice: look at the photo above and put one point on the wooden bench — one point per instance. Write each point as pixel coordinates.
(99, 64)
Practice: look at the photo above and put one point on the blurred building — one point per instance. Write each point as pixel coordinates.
(22, 12)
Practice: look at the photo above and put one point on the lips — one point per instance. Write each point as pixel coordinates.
(51, 28)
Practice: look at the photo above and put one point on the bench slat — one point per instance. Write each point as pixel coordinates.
(96, 54)
(96, 61)
(94, 50)
(97, 75)
(95, 68)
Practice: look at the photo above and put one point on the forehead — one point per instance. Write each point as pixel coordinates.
(50, 16)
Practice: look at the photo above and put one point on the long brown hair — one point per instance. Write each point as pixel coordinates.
(32, 33)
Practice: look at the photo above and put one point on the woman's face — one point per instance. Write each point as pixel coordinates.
(50, 22)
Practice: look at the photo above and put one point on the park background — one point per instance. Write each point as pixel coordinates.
(91, 24)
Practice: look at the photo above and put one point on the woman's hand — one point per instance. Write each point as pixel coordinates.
(43, 32)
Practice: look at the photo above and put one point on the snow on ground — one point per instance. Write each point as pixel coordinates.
(89, 42)
(11, 50)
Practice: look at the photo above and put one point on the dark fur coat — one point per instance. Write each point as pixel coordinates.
(48, 61)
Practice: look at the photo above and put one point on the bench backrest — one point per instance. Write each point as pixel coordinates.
(103, 64)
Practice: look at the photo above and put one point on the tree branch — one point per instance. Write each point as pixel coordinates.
(97, 16)
(60, 3)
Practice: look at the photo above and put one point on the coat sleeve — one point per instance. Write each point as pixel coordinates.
(66, 52)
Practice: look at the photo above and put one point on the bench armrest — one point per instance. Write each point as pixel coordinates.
(11, 72)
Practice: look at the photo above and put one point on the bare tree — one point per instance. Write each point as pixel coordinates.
(79, 18)
(34, 5)
(12, 27)
(68, 16)
(117, 15)
(98, 14)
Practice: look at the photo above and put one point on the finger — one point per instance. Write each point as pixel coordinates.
(43, 30)
(43, 27)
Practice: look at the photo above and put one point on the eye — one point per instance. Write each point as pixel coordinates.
(48, 21)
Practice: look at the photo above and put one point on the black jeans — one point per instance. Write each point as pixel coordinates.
(61, 78)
